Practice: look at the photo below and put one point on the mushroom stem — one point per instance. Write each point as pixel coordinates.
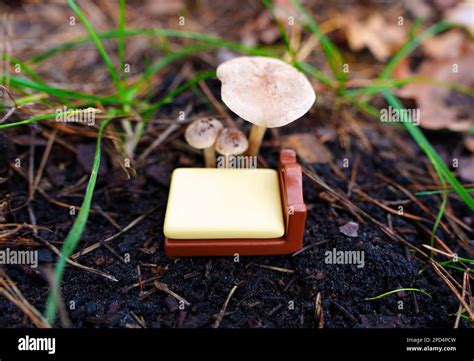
(255, 139)
(210, 157)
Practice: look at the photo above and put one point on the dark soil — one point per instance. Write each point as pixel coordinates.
(263, 296)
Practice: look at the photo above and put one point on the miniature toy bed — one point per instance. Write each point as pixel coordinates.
(219, 212)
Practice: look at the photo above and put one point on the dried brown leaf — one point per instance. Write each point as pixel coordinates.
(308, 148)
(442, 107)
(450, 45)
(381, 37)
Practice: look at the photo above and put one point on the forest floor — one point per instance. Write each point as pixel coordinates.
(365, 170)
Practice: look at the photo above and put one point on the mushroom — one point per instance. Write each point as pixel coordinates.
(231, 142)
(202, 134)
(267, 92)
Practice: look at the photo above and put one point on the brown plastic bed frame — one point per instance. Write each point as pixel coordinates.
(294, 212)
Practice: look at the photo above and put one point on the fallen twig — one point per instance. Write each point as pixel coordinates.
(277, 269)
(78, 265)
(100, 243)
(9, 290)
(221, 314)
(164, 287)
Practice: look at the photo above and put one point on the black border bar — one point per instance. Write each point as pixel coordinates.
(157, 341)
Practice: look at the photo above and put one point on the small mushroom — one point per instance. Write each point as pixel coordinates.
(231, 142)
(267, 92)
(202, 134)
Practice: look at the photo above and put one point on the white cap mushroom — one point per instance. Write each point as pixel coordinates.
(265, 91)
(202, 134)
(231, 142)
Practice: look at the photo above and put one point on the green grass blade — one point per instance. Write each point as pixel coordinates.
(36, 119)
(398, 290)
(425, 145)
(95, 38)
(463, 316)
(26, 69)
(462, 259)
(442, 209)
(302, 66)
(113, 34)
(330, 51)
(450, 264)
(77, 229)
(167, 60)
(414, 131)
(148, 111)
(362, 105)
(411, 45)
(458, 268)
(311, 70)
(121, 38)
(60, 93)
(30, 120)
(205, 75)
(429, 193)
(31, 98)
(281, 28)
(380, 84)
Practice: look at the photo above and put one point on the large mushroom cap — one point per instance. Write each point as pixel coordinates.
(202, 133)
(265, 91)
(231, 141)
